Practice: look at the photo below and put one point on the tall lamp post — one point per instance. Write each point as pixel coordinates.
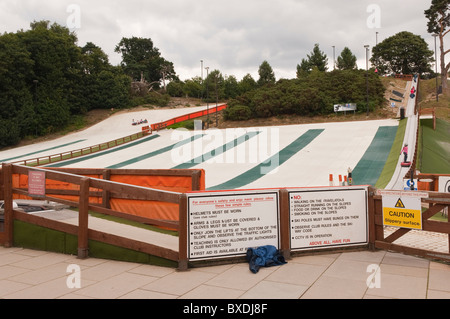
(201, 69)
(435, 63)
(334, 60)
(207, 96)
(367, 78)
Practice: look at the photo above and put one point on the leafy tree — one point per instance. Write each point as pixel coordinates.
(56, 62)
(438, 16)
(16, 90)
(247, 84)
(175, 88)
(404, 53)
(113, 88)
(45, 78)
(193, 87)
(347, 60)
(266, 74)
(231, 87)
(303, 68)
(93, 59)
(317, 59)
(215, 86)
(141, 58)
(86, 87)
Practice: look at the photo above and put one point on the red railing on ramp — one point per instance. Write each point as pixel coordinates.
(190, 116)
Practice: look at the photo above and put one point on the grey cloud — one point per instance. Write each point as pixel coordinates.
(233, 36)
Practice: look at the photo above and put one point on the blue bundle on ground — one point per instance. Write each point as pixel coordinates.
(264, 256)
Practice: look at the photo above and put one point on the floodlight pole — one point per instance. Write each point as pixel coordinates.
(201, 68)
(435, 64)
(367, 78)
(207, 96)
(334, 60)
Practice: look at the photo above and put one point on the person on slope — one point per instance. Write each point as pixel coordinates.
(405, 152)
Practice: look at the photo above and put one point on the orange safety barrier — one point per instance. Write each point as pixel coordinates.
(190, 116)
(178, 181)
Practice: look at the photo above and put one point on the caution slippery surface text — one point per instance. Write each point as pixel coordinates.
(402, 212)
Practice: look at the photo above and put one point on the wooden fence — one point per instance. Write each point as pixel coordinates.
(436, 202)
(88, 188)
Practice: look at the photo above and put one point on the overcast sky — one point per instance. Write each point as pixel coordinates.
(233, 36)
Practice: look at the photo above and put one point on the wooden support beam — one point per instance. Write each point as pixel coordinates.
(182, 234)
(8, 205)
(285, 232)
(83, 217)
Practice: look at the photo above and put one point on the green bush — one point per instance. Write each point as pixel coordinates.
(312, 94)
(238, 113)
(152, 98)
(175, 89)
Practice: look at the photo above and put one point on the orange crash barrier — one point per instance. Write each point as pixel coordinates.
(190, 116)
(177, 181)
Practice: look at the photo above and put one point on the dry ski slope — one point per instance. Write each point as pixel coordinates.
(264, 157)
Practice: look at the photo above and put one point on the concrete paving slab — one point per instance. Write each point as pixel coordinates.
(268, 289)
(326, 276)
(329, 287)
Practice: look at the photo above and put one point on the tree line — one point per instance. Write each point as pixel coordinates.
(47, 80)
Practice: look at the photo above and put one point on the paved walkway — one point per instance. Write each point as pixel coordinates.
(30, 274)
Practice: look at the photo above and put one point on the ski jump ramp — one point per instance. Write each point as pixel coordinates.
(242, 158)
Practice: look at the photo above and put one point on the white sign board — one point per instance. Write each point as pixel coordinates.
(444, 184)
(225, 224)
(344, 107)
(444, 187)
(326, 218)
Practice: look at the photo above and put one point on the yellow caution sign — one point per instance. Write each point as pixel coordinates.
(402, 212)
(400, 204)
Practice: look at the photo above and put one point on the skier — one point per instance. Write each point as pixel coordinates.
(405, 152)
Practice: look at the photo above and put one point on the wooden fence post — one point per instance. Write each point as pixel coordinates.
(284, 224)
(106, 195)
(182, 234)
(8, 204)
(83, 216)
(371, 217)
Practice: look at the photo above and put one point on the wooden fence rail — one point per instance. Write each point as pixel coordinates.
(48, 159)
(436, 202)
(89, 188)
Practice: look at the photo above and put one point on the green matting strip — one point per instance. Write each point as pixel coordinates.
(216, 152)
(155, 153)
(40, 151)
(109, 151)
(392, 160)
(280, 158)
(370, 166)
